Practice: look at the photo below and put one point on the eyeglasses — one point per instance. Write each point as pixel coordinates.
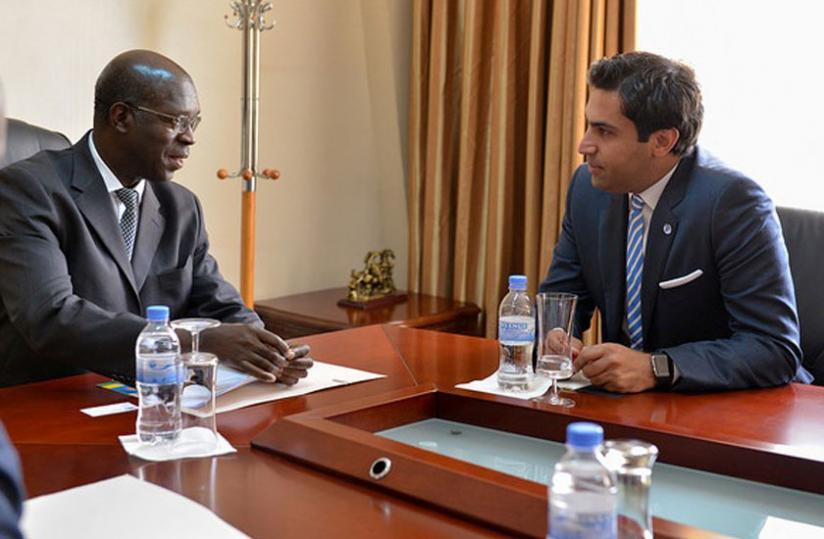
(180, 123)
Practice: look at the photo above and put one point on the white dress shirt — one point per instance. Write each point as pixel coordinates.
(651, 196)
(113, 184)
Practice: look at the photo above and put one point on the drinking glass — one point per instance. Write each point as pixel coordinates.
(632, 462)
(199, 433)
(556, 311)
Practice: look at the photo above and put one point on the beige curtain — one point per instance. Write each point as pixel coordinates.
(497, 99)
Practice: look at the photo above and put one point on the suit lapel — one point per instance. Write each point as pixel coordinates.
(148, 235)
(93, 201)
(612, 238)
(662, 231)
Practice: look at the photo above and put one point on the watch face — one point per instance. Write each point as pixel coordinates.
(660, 365)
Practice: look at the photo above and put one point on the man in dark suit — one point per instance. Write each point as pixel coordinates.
(682, 256)
(91, 235)
(11, 488)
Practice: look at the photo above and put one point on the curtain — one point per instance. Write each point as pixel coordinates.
(497, 99)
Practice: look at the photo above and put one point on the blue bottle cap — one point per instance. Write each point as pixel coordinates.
(517, 282)
(584, 434)
(157, 313)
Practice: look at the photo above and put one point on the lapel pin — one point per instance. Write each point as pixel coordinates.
(667, 229)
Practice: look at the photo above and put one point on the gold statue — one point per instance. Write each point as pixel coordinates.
(375, 281)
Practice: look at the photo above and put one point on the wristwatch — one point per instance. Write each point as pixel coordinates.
(662, 370)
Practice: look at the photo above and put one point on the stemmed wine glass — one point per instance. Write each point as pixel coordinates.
(556, 311)
(194, 326)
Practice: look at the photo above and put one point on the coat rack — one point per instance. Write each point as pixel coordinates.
(249, 18)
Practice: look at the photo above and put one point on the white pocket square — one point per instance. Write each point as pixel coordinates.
(681, 281)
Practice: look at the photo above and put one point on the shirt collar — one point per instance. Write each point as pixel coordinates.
(111, 181)
(652, 194)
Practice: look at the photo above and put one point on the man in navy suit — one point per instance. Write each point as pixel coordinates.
(682, 256)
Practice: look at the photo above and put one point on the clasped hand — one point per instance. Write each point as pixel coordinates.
(258, 352)
(609, 365)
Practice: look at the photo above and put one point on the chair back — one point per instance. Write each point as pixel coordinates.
(24, 140)
(804, 236)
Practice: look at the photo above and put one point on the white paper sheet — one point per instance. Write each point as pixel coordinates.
(537, 387)
(109, 409)
(229, 379)
(321, 376)
(181, 450)
(237, 390)
(123, 507)
(577, 381)
(779, 528)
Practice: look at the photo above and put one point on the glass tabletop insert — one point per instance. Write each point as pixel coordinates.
(718, 503)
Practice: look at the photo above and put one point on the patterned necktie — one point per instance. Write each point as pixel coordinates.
(635, 270)
(128, 222)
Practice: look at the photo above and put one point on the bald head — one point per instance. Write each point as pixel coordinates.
(146, 111)
(137, 77)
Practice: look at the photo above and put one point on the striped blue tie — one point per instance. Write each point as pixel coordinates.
(635, 270)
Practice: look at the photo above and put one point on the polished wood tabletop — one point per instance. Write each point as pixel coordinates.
(266, 495)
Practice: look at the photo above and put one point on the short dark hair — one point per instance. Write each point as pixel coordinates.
(656, 93)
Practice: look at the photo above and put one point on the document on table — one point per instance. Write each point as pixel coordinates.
(321, 376)
(229, 379)
(124, 507)
(236, 389)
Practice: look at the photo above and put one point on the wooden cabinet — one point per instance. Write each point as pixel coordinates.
(318, 312)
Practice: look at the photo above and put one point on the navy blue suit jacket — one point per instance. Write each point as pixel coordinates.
(736, 325)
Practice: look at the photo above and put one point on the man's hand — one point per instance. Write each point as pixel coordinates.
(557, 341)
(258, 352)
(577, 346)
(298, 367)
(616, 367)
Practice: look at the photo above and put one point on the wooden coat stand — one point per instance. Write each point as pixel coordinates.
(250, 19)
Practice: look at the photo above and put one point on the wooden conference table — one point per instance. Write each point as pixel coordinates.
(267, 495)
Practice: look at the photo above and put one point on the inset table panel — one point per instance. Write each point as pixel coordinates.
(342, 439)
(714, 502)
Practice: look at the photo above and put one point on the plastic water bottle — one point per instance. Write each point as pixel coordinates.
(583, 494)
(516, 336)
(159, 379)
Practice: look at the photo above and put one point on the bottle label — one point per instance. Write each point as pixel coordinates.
(160, 370)
(569, 523)
(517, 329)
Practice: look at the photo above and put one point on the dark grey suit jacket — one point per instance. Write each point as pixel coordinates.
(71, 299)
(734, 326)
